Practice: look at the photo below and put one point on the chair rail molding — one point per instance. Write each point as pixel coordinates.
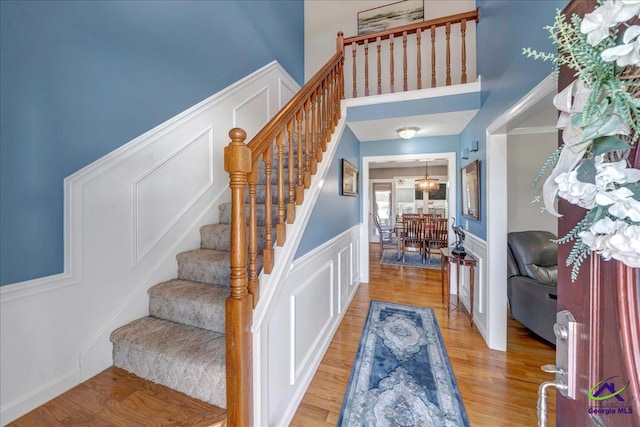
(126, 216)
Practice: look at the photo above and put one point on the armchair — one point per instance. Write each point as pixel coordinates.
(532, 280)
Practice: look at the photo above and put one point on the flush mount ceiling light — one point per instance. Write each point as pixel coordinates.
(427, 183)
(407, 132)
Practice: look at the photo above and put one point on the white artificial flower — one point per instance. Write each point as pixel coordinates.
(614, 173)
(614, 239)
(576, 192)
(627, 53)
(627, 9)
(597, 24)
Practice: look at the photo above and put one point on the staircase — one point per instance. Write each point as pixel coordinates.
(198, 336)
(181, 344)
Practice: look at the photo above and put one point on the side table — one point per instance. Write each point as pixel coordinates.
(446, 260)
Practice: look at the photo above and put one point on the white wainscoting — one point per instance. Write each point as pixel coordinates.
(306, 313)
(126, 217)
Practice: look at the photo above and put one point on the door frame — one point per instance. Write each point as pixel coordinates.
(497, 227)
(379, 181)
(452, 176)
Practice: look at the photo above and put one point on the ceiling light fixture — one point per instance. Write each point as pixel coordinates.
(427, 183)
(407, 132)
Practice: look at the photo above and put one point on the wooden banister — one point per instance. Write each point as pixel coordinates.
(300, 132)
(411, 28)
(415, 30)
(294, 139)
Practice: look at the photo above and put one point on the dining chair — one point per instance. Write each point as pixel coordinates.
(386, 235)
(413, 237)
(438, 236)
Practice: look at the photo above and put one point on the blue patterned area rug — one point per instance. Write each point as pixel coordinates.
(401, 375)
(411, 259)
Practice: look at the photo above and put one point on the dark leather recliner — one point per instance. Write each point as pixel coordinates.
(532, 280)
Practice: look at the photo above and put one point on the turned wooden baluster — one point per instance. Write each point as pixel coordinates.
(366, 68)
(391, 77)
(405, 85)
(314, 136)
(419, 57)
(307, 146)
(291, 206)
(463, 32)
(448, 37)
(340, 49)
(319, 105)
(353, 54)
(281, 228)
(433, 56)
(378, 47)
(333, 97)
(253, 234)
(268, 212)
(239, 305)
(300, 146)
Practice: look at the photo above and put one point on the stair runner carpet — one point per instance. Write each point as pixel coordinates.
(181, 344)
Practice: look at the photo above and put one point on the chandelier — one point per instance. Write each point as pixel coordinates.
(427, 183)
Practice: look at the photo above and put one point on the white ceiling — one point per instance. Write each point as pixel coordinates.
(451, 123)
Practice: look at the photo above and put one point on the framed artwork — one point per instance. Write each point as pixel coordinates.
(389, 16)
(471, 190)
(349, 179)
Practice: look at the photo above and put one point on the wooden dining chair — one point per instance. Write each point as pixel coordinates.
(438, 236)
(413, 237)
(387, 237)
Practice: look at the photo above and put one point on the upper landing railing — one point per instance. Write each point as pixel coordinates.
(269, 175)
(383, 44)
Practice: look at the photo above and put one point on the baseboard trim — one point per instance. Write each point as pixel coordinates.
(24, 404)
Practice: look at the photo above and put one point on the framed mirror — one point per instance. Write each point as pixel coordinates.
(471, 190)
(349, 179)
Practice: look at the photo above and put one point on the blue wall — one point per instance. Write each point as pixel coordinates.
(81, 78)
(505, 28)
(417, 145)
(333, 213)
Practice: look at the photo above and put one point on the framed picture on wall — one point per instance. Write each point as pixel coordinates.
(390, 15)
(471, 190)
(349, 179)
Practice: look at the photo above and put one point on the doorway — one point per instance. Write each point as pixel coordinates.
(497, 200)
(368, 195)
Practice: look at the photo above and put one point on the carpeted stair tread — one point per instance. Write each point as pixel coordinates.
(218, 237)
(225, 213)
(191, 303)
(206, 266)
(185, 358)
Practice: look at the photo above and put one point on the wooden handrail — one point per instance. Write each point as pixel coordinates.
(412, 28)
(295, 139)
(260, 141)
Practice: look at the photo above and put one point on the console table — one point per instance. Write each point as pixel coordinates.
(446, 259)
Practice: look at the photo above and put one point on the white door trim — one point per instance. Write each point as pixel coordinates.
(496, 148)
(452, 172)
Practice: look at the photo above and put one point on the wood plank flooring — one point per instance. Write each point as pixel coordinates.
(498, 389)
(115, 397)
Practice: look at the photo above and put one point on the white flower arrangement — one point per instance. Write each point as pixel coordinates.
(599, 118)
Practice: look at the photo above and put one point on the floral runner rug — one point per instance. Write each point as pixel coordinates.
(401, 375)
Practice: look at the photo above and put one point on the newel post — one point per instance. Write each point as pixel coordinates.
(237, 162)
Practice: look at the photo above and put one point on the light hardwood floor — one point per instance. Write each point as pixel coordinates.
(498, 389)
